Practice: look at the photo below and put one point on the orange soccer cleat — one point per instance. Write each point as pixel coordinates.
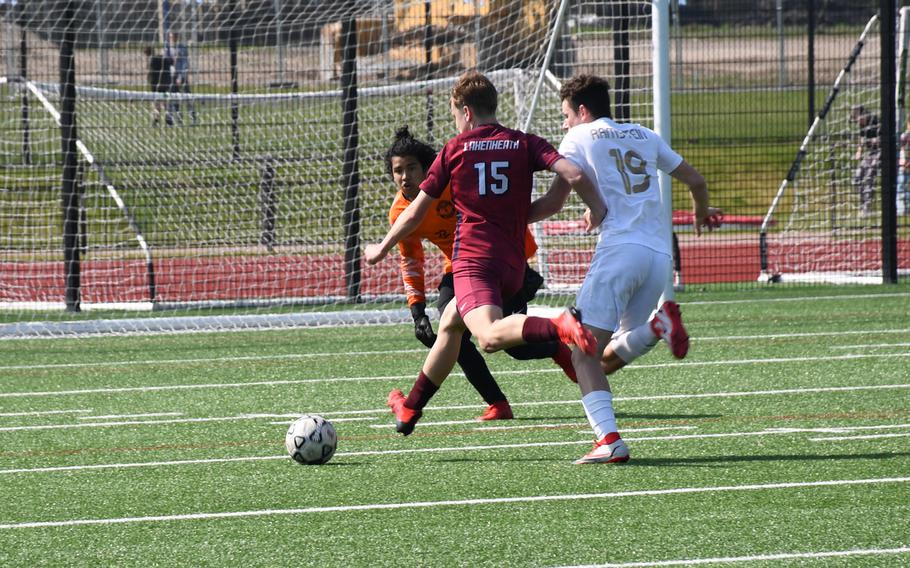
(499, 410)
(405, 418)
(571, 332)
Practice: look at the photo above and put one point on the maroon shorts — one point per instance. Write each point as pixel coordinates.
(484, 282)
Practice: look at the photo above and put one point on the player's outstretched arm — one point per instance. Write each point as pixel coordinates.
(551, 202)
(705, 215)
(406, 224)
(583, 186)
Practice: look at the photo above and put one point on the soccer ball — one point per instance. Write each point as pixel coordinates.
(311, 440)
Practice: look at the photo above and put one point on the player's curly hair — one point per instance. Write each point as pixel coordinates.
(589, 90)
(406, 145)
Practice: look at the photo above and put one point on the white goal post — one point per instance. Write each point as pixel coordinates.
(824, 224)
(240, 195)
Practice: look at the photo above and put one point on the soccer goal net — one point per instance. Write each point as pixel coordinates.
(825, 222)
(230, 164)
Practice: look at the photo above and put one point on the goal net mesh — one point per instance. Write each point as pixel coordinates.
(827, 223)
(229, 184)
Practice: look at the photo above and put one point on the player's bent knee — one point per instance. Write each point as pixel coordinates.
(488, 345)
(610, 362)
(626, 350)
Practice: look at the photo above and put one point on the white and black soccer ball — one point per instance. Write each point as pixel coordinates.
(311, 440)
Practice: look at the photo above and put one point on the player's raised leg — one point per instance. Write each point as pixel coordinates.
(494, 334)
(437, 366)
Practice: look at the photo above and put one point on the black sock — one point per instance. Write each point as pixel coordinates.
(533, 351)
(475, 368)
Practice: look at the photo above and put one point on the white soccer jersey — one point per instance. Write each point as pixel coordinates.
(623, 160)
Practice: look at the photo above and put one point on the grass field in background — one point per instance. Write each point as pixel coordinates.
(783, 433)
(191, 192)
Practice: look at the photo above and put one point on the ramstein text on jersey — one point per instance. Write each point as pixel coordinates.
(608, 133)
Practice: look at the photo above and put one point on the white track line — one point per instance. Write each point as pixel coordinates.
(848, 297)
(119, 416)
(579, 424)
(864, 437)
(493, 447)
(456, 503)
(728, 394)
(122, 423)
(298, 382)
(44, 412)
(799, 334)
(287, 356)
(755, 558)
(293, 356)
(842, 429)
(869, 346)
(359, 419)
(341, 414)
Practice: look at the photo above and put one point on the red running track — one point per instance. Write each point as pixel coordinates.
(288, 276)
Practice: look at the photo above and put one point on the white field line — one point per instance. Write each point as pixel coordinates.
(492, 447)
(123, 423)
(807, 298)
(624, 430)
(518, 427)
(727, 362)
(118, 416)
(869, 346)
(286, 356)
(358, 419)
(755, 558)
(340, 415)
(842, 429)
(335, 415)
(796, 335)
(438, 423)
(294, 356)
(457, 503)
(44, 412)
(864, 437)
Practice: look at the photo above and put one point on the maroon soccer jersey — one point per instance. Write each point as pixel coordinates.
(491, 170)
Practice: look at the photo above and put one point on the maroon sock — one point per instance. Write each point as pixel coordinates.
(421, 393)
(539, 330)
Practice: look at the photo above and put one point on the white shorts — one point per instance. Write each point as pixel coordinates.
(622, 287)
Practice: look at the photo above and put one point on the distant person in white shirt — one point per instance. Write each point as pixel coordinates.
(632, 262)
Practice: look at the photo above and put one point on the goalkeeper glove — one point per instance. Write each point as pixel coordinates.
(423, 331)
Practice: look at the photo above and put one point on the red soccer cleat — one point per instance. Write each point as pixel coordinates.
(571, 332)
(563, 358)
(606, 452)
(499, 410)
(405, 418)
(667, 325)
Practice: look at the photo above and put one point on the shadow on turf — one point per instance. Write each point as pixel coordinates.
(709, 460)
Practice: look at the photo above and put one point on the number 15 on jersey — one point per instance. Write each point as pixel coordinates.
(498, 182)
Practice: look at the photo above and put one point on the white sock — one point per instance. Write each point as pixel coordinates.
(599, 409)
(633, 344)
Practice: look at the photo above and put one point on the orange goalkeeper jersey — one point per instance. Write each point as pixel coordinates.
(438, 227)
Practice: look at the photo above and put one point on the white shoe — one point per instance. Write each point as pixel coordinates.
(617, 452)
